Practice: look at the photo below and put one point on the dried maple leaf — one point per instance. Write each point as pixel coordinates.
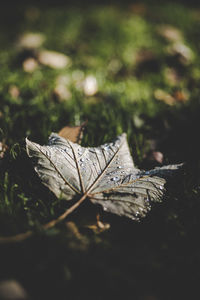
(105, 174)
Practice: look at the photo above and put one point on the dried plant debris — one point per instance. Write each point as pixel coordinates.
(53, 59)
(154, 156)
(164, 96)
(12, 289)
(98, 226)
(170, 33)
(183, 52)
(3, 149)
(31, 40)
(62, 92)
(105, 174)
(14, 92)
(73, 133)
(172, 76)
(30, 65)
(177, 97)
(138, 9)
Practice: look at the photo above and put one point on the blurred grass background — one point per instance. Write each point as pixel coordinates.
(131, 67)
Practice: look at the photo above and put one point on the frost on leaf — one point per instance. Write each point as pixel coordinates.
(105, 174)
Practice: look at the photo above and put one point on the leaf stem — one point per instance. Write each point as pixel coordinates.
(22, 236)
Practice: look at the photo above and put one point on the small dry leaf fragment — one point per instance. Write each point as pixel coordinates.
(138, 8)
(164, 96)
(99, 227)
(181, 95)
(178, 96)
(53, 59)
(170, 33)
(71, 226)
(31, 40)
(172, 77)
(61, 89)
(73, 133)
(14, 91)
(3, 149)
(144, 55)
(62, 92)
(12, 289)
(185, 54)
(80, 238)
(30, 65)
(155, 156)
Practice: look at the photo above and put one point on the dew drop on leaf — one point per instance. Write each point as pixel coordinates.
(116, 179)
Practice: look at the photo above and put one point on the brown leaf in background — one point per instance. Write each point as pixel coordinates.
(62, 92)
(152, 156)
(12, 289)
(30, 65)
(73, 133)
(31, 40)
(99, 226)
(170, 33)
(3, 149)
(172, 76)
(80, 241)
(144, 55)
(181, 96)
(184, 53)
(177, 97)
(156, 156)
(53, 59)
(164, 96)
(62, 89)
(71, 226)
(138, 9)
(14, 91)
